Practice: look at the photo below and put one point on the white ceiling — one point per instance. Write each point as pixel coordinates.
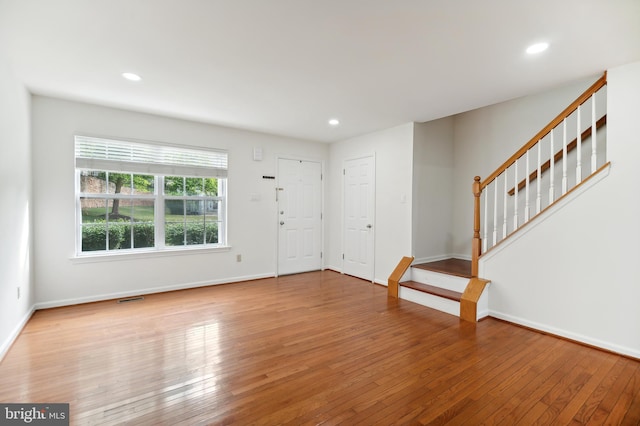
(287, 66)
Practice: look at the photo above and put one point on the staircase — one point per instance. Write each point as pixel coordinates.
(560, 159)
(445, 285)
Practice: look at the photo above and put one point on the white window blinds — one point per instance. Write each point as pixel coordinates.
(141, 158)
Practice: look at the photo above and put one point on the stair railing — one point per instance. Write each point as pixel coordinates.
(540, 171)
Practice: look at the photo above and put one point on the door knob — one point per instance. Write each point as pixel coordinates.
(369, 226)
(282, 222)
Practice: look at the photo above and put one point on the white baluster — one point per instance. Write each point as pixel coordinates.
(515, 200)
(564, 156)
(495, 211)
(539, 187)
(526, 191)
(579, 151)
(594, 142)
(551, 174)
(484, 230)
(504, 208)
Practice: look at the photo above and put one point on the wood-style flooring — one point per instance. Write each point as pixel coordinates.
(452, 266)
(308, 349)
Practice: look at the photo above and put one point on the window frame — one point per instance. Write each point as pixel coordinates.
(107, 196)
(222, 208)
(159, 197)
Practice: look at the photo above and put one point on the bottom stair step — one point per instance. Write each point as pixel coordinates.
(437, 291)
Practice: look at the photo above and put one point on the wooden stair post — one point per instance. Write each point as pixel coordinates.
(475, 244)
(396, 276)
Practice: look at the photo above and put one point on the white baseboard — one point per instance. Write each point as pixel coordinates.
(119, 295)
(381, 282)
(339, 270)
(6, 345)
(482, 314)
(623, 350)
(465, 256)
(428, 259)
(482, 306)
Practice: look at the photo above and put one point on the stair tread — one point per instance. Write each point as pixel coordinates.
(453, 266)
(438, 291)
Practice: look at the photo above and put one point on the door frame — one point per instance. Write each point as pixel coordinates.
(322, 206)
(342, 216)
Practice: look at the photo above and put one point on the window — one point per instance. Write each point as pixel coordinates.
(146, 197)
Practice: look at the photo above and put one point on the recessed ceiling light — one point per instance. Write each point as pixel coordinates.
(537, 48)
(131, 76)
(334, 122)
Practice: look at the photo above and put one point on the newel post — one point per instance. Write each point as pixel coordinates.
(475, 244)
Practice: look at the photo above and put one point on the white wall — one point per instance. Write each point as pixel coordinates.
(432, 189)
(576, 274)
(486, 137)
(251, 224)
(15, 214)
(393, 149)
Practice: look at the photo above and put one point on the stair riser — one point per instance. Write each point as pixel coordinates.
(450, 282)
(429, 300)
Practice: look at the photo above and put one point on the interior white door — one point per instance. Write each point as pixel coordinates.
(299, 216)
(359, 209)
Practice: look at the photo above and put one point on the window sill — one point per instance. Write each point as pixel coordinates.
(128, 255)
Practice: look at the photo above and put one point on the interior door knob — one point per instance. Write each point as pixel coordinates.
(369, 226)
(282, 222)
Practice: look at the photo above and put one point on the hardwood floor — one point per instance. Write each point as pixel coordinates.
(315, 348)
(459, 267)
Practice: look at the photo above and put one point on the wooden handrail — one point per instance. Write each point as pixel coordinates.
(558, 155)
(478, 185)
(602, 81)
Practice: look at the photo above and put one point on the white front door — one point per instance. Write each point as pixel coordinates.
(359, 208)
(299, 216)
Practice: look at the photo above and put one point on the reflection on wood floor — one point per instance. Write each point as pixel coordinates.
(314, 348)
